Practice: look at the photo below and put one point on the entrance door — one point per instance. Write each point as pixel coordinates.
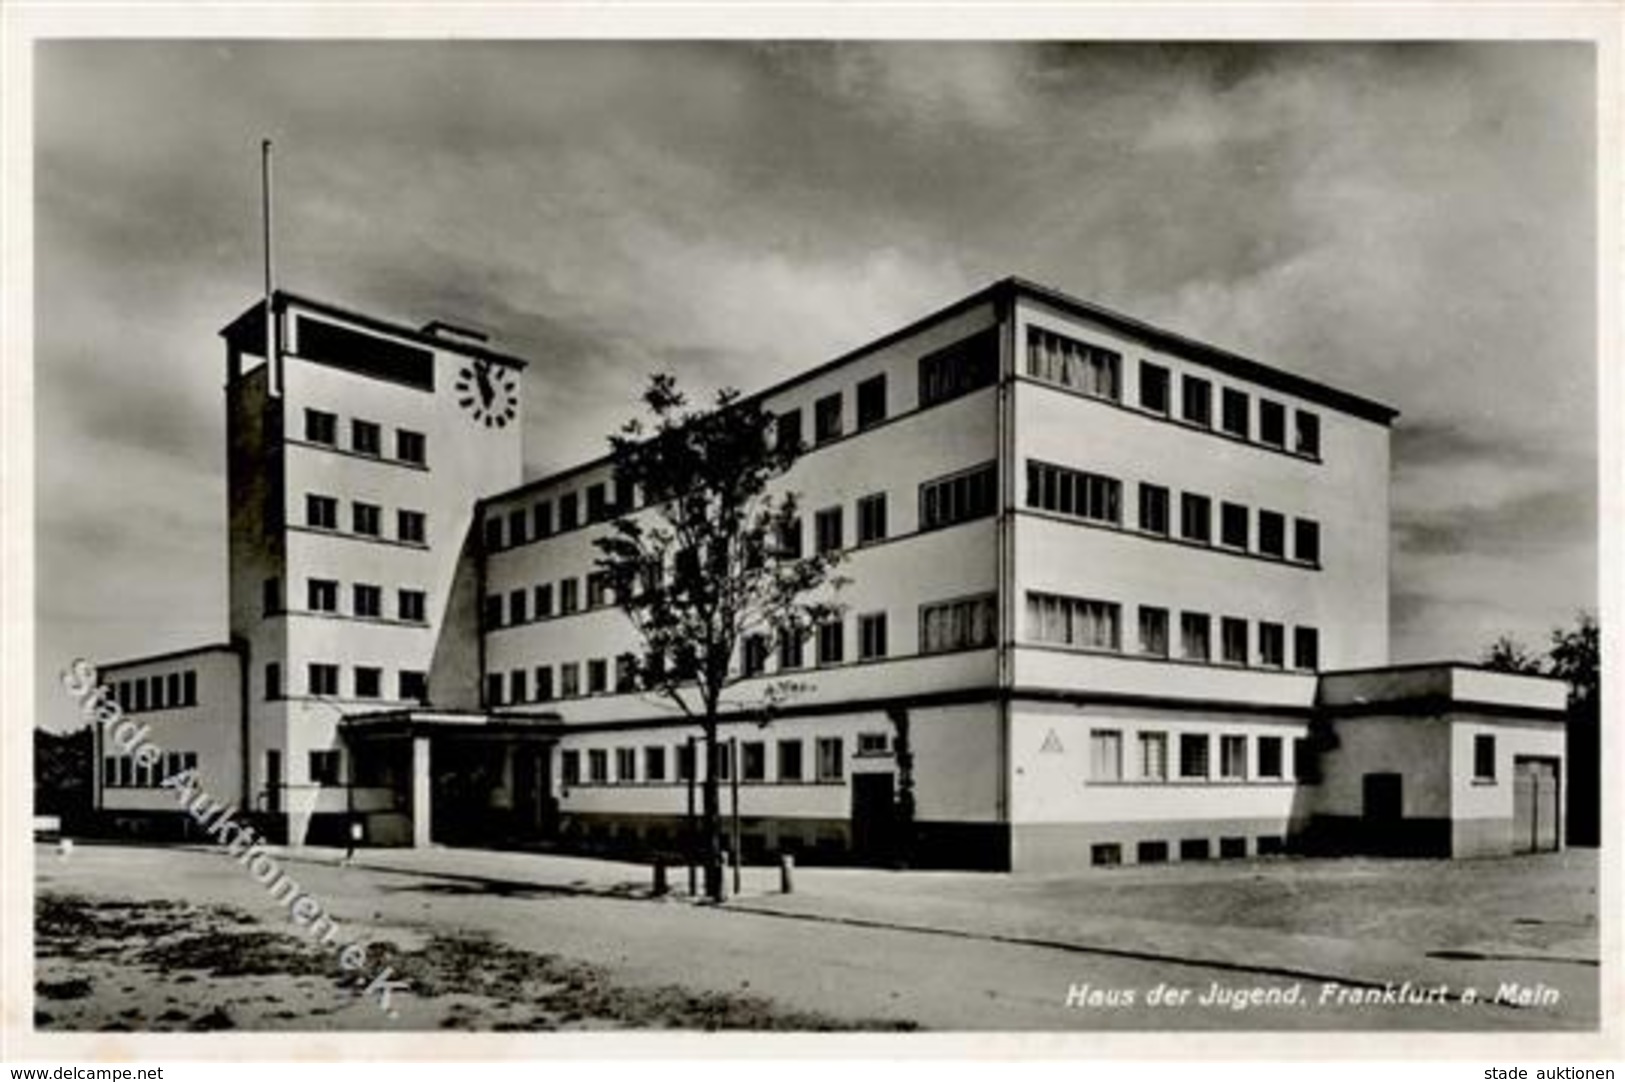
(273, 781)
(1382, 811)
(1534, 805)
(873, 815)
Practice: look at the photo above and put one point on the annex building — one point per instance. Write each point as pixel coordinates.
(1116, 596)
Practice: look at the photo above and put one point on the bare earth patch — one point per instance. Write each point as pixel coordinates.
(160, 965)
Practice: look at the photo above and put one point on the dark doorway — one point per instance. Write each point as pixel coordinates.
(1382, 812)
(874, 816)
(1535, 800)
(273, 781)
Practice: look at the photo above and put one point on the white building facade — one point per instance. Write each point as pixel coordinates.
(1115, 596)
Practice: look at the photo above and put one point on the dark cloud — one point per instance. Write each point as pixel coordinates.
(1411, 221)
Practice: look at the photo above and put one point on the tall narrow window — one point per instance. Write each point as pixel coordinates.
(569, 511)
(1306, 648)
(787, 429)
(872, 401)
(1271, 423)
(1153, 387)
(1194, 642)
(1233, 636)
(830, 759)
(1154, 509)
(827, 418)
(1234, 418)
(871, 636)
(828, 530)
(831, 642)
(1272, 534)
(1105, 755)
(1153, 631)
(1271, 645)
(1195, 518)
(872, 519)
(789, 760)
(1233, 518)
(1197, 403)
(1484, 757)
(1306, 540)
(1153, 756)
(1233, 757)
(1308, 441)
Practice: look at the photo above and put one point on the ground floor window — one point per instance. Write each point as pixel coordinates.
(1151, 852)
(1232, 848)
(570, 767)
(626, 765)
(1106, 755)
(598, 766)
(1154, 756)
(1193, 849)
(789, 760)
(654, 764)
(1193, 755)
(324, 767)
(830, 766)
(1484, 757)
(1106, 854)
(1269, 757)
(753, 761)
(1233, 757)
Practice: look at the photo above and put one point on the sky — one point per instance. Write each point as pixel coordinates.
(1412, 222)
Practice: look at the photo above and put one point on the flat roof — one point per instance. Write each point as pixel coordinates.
(250, 319)
(171, 655)
(1011, 288)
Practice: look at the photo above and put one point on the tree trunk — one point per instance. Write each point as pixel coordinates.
(711, 816)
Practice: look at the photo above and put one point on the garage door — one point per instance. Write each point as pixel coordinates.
(1534, 805)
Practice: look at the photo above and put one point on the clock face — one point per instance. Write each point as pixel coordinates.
(489, 392)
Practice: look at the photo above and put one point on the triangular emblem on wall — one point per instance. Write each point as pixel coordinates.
(1052, 744)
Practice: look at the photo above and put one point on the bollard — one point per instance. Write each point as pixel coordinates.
(64, 848)
(660, 888)
(787, 868)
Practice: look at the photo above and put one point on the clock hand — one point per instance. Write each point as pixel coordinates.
(487, 392)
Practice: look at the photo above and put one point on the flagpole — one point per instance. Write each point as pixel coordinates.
(272, 354)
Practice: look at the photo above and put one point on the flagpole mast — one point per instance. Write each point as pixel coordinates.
(272, 353)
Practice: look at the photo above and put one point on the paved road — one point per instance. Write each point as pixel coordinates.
(803, 961)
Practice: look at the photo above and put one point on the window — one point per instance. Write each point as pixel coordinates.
(367, 518)
(871, 636)
(1271, 645)
(1105, 755)
(322, 512)
(321, 427)
(1233, 519)
(324, 768)
(493, 533)
(597, 502)
(1195, 518)
(789, 760)
(1193, 849)
(1193, 755)
(411, 446)
(787, 429)
(831, 642)
(322, 678)
(1271, 423)
(654, 764)
(367, 600)
(753, 655)
(1070, 492)
(968, 624)
(1151, 852)
(1055, 358)
(322, 595)
(1272, 534)
(570, 767)
(1106, 854)
(1153, 631)
(626, 765)
(369, 682)
(493, 689)
(158, 701)
(570, 680)
(1153, 756)
(790, 651)
(597, 590)
(1306, 648)
(569, 511)
(411, 527)
(1153, 387)
(569, 595)
(1306, 540)
(685, 761)
(544, 683)
(597, 676)
(1197, 405)
(828, 530)
(968, 365)
(871, 401)
(626, 673)
(516, 606)
(543, 596)
(958, 498)
(827, 418)
(1232, 848)
(1193, 636)
(1233, 412)
(517, 691)
(873, 744)
(872, 519)
(1154, 509)
(273, 680)
(1233, 640)
(1484, 757)
(753, 761)
(831, 766)
(598, 766)
(518, 526)
(493, 611)
(789, 538)
(1269, 757)
(414, 685)
(411, 606)
(1233, 757)
(271, 596)
(541, 520)
(1073, 621)
(140, 694)
(189, 688)
(1308, 442)
(366, 438)
(1305, 767)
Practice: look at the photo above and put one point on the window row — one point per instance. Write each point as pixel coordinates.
(655, 764)
(545, 518)
(366, 600)
(546, 600)
(1240, 757)
(1096, 498)
(137, 772)
(366, 437)
(163, 691)
(1096, 371)
(366, 519)
(366, 682)
(1231, 847)
(1088, 624)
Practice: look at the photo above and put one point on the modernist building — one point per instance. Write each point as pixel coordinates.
(1115, 596)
